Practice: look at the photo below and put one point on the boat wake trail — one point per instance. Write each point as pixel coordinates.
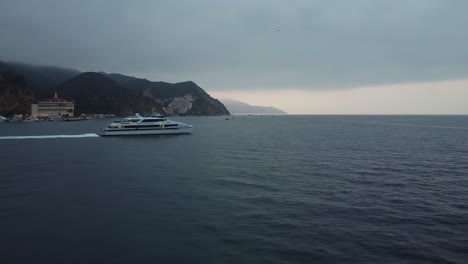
(52, 136)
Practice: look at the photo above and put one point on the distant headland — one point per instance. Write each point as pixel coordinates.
(241, 108)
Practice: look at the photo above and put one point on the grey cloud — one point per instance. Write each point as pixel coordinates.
(233, 44)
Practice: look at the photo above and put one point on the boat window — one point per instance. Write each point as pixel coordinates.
(170, 125)
(129, 126)
(152, 120)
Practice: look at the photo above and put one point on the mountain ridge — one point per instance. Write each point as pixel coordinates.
(114, 93)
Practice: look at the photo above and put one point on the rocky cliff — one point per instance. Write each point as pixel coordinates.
(187, 99)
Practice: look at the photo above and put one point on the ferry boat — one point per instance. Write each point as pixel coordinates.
(139, 125)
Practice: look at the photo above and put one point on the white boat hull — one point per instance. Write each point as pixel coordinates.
(134, 132)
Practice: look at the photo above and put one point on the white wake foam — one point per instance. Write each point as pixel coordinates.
(52, 136)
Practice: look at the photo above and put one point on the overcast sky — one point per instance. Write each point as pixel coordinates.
(237, 46)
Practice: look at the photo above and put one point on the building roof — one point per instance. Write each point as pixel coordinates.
(55, 100)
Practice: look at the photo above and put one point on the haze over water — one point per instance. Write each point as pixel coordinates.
(260, 189)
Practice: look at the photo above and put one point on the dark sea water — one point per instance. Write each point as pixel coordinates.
(259, 189)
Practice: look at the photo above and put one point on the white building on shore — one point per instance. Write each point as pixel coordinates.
(54, 107)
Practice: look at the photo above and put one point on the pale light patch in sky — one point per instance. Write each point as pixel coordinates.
(445, 97)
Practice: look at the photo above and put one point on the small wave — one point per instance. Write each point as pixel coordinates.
(409, 125)
(429, 126)
(52, 136)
